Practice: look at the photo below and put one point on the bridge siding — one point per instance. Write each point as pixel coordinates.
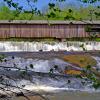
(42, 30)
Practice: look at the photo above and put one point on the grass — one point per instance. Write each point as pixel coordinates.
(72, 72)
(80, 60)
(49, 39)
(97, 39)
(29, 39)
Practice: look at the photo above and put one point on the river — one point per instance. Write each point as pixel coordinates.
(57, 88)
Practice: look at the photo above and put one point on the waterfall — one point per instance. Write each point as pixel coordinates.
(11, 46)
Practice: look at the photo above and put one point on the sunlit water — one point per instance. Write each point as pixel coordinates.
(47, 46)
(47, 84)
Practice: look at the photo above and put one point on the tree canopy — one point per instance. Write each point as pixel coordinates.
(54, 12)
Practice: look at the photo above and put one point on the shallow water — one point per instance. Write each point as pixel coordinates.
(58, 85)
(68, 96)
(45, 83)
(76, 96)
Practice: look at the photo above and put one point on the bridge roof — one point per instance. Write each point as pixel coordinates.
(46, 22)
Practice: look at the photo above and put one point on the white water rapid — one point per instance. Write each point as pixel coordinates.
(12, 46)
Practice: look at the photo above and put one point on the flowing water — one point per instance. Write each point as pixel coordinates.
(45, 83)
(59, 86)
(47, 46)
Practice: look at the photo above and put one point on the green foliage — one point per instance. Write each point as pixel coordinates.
(54, 12)
(97, 39)
(2, 56)
(88, 28)
(90, 75)
(89, 1)
(96, 85)
(88, 67)
(51, 5)
(5, 13)
(79, 76)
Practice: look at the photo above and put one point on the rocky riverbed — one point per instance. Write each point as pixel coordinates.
(43, 72)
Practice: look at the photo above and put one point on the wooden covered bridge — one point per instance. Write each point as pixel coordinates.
(45, 29)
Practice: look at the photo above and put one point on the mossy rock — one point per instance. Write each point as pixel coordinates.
(80, 60)
(73, 72)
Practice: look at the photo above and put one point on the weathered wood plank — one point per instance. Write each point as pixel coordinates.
(43, 30)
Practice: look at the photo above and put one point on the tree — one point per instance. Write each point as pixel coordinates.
(5, 13)
(20, 13)
(53, 9)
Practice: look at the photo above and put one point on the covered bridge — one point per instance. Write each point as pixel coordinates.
(45, 29)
